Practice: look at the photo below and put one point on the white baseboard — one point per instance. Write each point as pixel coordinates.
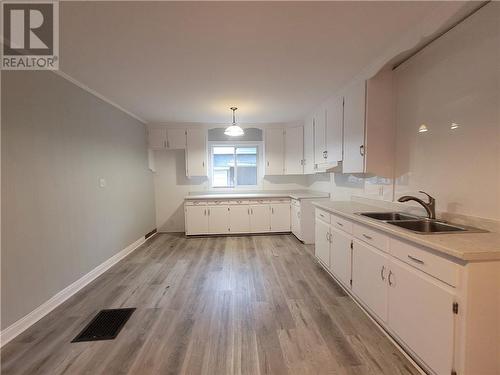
(27, 321)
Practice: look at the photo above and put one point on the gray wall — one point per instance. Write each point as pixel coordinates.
(57, 223)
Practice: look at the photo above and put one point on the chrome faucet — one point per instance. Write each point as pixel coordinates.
(430, 207)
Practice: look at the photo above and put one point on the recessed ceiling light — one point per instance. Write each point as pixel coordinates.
(423, 128)
(454, 125)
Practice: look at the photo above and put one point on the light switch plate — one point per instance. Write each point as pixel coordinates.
(102, 182)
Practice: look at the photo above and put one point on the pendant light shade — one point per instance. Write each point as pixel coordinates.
(234, 130)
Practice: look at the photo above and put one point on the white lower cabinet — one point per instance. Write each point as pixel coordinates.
(417, 305)
(322, 242)
(239, 219)
(196, 220)
(370, 268)
(340, 255)
(420, 313)
(260, 218)
(295, 221)
(237, 216)
(218, 219)
(280, 217)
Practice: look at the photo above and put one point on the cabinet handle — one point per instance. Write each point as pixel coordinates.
(419, 261)
(272, 210)
(367, 237)
(251, 211)
(382, 276)
(248, 211)
(168, 144)
(205, 212)
(325, 154)
(389, 278)
(228, 209)
(362, 150)
(268, 163)
(340, 224)
(165, 144)
(203, 163)
(326, 235)
(209, 212)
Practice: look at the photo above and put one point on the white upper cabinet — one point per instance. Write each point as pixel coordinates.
(294, 150)
(157, 138)
(196, 152)
(274, 151)
(309, 146)
(176, 139)
(354, 129)
(166, 139)
(369, 126)
(334, 124)
(320, 152)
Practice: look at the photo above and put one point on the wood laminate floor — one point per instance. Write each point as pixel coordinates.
(224, 305)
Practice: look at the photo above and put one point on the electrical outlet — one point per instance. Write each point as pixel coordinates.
(102, 182)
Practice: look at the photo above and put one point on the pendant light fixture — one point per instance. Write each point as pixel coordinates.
(234, 130)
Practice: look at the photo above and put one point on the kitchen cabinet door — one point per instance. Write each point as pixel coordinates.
(157, 138)
(260, 218)
(196, 220)
(274, 151)
(218, 219)
(369, 277)
(309, 146)
(239, 219)
(341, 255)
(294, 150)
(280, 217)
(421, 314)
(295, 221)
(320, 152)
(176, 139)
(354, 128)
(322, 243)
(196, 152)
(334, 123)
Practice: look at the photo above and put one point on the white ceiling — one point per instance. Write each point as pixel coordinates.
(190, 62)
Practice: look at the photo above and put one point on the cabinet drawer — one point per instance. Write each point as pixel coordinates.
(341, 223)
(322, 215)
(371, 236)
(431, 264)
(196, 203)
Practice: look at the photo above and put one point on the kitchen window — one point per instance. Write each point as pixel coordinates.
(234, 166)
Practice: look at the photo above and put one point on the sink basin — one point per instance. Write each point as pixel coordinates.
(427, 226)
(388, 216)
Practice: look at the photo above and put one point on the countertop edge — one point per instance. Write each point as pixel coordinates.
(466, 257)
(291, 195)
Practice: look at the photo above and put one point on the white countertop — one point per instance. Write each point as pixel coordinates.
(464, 246)
(297, 194)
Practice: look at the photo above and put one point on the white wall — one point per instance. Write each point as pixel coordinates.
(172, 185)
(454, 79)
(57, 223)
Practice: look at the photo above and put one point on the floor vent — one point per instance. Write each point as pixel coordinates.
(106, 325)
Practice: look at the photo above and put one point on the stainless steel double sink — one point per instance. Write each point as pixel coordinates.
(418, 224)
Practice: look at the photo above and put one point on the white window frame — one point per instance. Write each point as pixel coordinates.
(260, 165)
